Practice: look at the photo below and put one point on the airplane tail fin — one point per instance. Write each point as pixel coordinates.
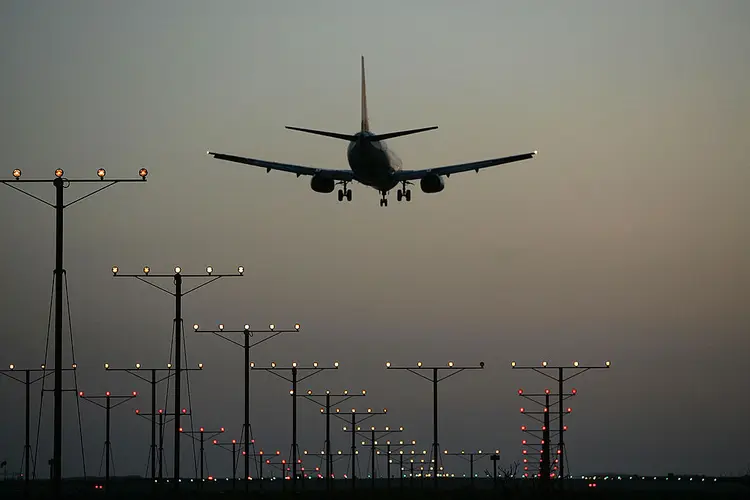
(365, 126)
(365, 119)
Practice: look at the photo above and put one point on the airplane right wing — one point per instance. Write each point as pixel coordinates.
(410, 175)
(337, 175)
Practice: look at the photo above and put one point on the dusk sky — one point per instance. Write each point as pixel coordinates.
(625, 239)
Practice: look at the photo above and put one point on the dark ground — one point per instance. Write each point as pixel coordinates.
(136, 488)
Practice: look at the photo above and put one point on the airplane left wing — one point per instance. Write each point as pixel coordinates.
(410, 175)
(337, 175)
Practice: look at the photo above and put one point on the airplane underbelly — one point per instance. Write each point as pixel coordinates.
(371, 166)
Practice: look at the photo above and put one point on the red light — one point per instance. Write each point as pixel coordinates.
(137, 412)
(565, 427)
(222, 429)
(135, 393)
(283, 461)
(542, 441)
(574, 391)
(559, 452)
(523, 427)
(201, 429)
(544, 427)
(268, 461)
(523, 442)
(184, 410)
(546, 391)
(252, 441)
(546, 409)
(210, 478)
(216, 441)
(521, 410)
(107, 393)
(161, 411)
(524, 452)
(260, 452)
(180, 429)
(570, 410)
(520, 391)
(234, 441)
(80, 393)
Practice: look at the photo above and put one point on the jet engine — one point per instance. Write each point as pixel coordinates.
(432, 183)
(322, 184)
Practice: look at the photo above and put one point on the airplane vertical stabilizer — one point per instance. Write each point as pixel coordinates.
(365, 120)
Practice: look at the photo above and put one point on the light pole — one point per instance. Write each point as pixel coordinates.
(28, 381)
(561, 378)
(326, 410)
(294, 369)
(247, 333)
(471, 460)
(365, 415)
(223, 446)
(454, 370)
(161, 414)
(545, 472)
(153, 381)
(178, 294)
(376, 434)
(201, 432)
(107, 406)
(399, 447)
(60, 183)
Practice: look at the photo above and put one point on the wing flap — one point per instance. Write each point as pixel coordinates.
(410, 175)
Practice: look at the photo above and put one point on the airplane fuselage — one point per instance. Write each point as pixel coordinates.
(372, 163)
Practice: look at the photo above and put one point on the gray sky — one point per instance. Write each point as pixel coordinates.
(625, 239)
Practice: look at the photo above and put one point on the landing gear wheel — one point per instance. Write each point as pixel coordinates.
(407, 195)
(341, 195)
(399, 195)
(348, 195)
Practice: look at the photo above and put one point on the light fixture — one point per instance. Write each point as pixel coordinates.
(12, 366)
(271, 326)
(59, 172)
(196, 326)
(106, 366)
(115, 269)
(450, 363)
(209, 270)
(241, 270)
(575, 363)
(101, 173)
(247, 327)
(143, 172)
(146, 269)
(17, 173)
(296, 326)
(137, 365)
(336, 364)
(177, 270)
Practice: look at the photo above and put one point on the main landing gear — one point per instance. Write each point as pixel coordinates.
(404, 193)
(384, 200)
(345, 193)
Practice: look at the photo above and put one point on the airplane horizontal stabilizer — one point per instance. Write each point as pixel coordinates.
(391, 135)
(335, 135)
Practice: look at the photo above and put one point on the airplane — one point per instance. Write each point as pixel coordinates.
(372, 163)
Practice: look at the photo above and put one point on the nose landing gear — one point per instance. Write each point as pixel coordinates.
(384, 200)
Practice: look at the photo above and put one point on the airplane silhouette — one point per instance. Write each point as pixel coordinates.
(372, 163)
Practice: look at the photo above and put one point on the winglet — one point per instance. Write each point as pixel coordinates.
(365, 120)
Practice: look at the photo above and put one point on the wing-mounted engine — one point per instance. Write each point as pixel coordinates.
(432, 183)
(321, 184)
